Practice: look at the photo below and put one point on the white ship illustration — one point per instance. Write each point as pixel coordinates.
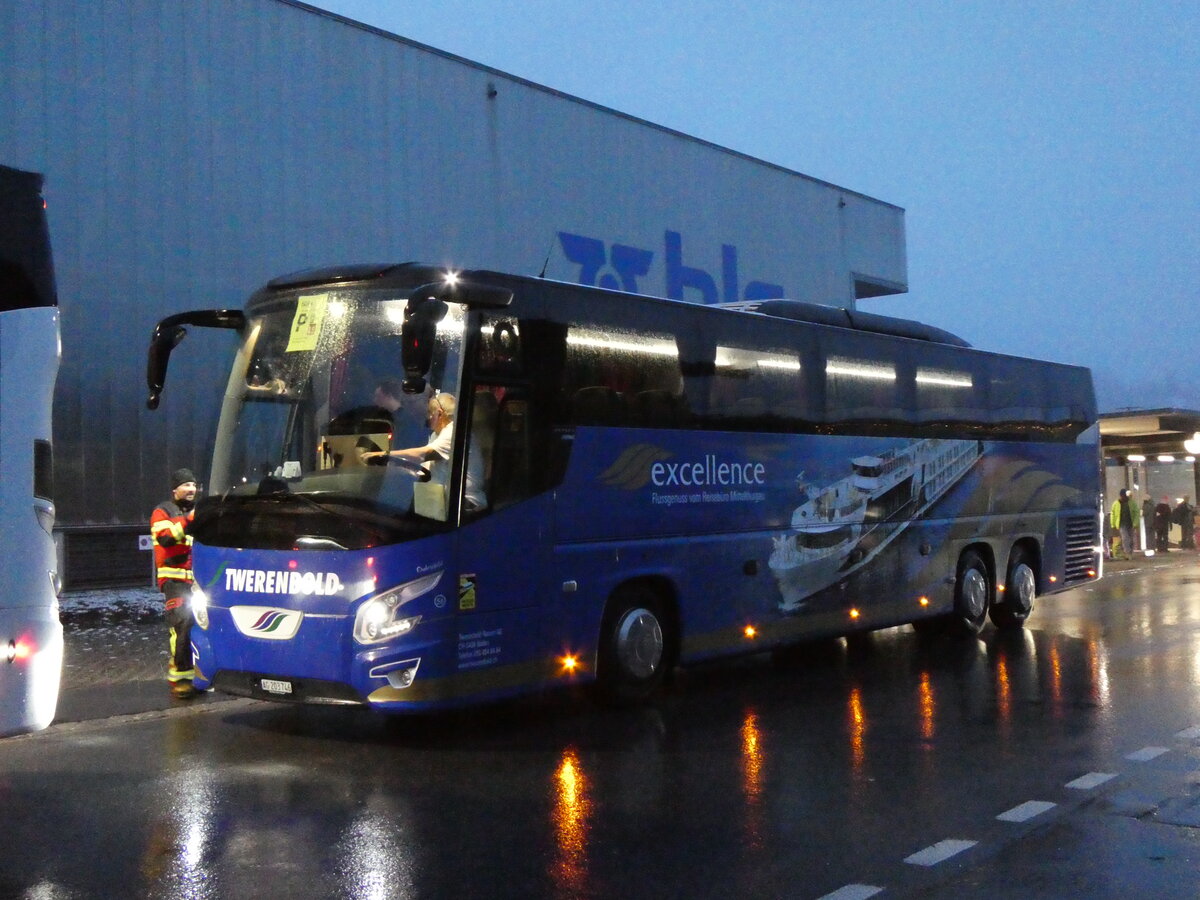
(837, 528)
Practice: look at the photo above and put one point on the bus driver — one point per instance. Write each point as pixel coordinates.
(436, 451)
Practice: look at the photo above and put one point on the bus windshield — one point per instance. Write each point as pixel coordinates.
(313, 407)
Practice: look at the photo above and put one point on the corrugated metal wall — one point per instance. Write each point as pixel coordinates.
(194, 150)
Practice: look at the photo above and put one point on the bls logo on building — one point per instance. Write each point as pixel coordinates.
(619, 267)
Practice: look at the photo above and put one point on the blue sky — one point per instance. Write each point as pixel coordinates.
(1047, 154)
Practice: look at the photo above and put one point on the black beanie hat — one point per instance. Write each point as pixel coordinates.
(181, 476)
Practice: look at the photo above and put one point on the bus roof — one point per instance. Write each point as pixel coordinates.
(412, 273)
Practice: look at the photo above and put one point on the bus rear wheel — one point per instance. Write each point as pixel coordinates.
(972, 594)
(1020, 589)
(633, 648)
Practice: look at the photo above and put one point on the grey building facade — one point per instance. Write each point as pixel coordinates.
(194, 150)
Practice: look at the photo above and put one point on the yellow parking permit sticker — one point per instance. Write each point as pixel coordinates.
(307, 322)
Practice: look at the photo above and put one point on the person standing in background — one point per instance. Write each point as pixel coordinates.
(1182, 516)
(1162, 526)
(1124, 519)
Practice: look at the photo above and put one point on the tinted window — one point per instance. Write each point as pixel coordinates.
(26, 276)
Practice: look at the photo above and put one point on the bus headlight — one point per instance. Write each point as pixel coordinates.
(376, 622)
(199, 604)
(379, 617)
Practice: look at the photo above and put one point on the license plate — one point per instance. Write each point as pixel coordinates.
(276, 687)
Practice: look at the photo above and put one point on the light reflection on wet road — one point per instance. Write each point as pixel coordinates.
(760, 778)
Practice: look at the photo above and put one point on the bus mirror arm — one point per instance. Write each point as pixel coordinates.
(474, 294)
(426, 307)
(170, 331)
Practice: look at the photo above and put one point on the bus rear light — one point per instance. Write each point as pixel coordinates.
(19, 650)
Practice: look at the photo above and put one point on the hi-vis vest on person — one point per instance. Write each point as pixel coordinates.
(172, 543)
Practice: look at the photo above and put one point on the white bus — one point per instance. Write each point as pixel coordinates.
(31, 637)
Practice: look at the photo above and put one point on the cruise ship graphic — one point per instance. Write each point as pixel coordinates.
(837, 528)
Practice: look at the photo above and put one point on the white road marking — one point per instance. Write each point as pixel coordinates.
(1026, 811)
(1189, 734)
(853, 892)
(1146, 754)
(1091, 780)
(939, 852)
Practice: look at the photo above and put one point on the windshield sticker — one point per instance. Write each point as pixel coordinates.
(306, 323)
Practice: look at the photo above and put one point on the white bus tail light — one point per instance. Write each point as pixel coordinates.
(20, 650)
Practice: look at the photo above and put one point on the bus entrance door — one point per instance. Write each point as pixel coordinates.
(503, 545)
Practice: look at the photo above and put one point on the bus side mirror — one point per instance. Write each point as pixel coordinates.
(418, 334)
(162, 342)
(167, 335)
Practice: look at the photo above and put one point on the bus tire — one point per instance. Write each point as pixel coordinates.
(1020, 589)
(972, 594)
(632, 659)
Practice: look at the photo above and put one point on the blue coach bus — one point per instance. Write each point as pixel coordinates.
(31, 637)
(630, 484)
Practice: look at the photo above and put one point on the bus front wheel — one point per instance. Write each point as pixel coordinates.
(972, 593)
(632, 658)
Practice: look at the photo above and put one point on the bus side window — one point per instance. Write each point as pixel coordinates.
(484, 412)
(597, 405)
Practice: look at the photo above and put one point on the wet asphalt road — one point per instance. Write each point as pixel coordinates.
(874, 767)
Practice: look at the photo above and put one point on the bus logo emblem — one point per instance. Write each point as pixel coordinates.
(632, 468)
(267, 622)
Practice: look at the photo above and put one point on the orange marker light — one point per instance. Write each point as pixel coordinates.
(750, 631)
(854, 613)
(1000, 588)
(1053, 578)
(1091, 573)
(569, 664)
(924, 601)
